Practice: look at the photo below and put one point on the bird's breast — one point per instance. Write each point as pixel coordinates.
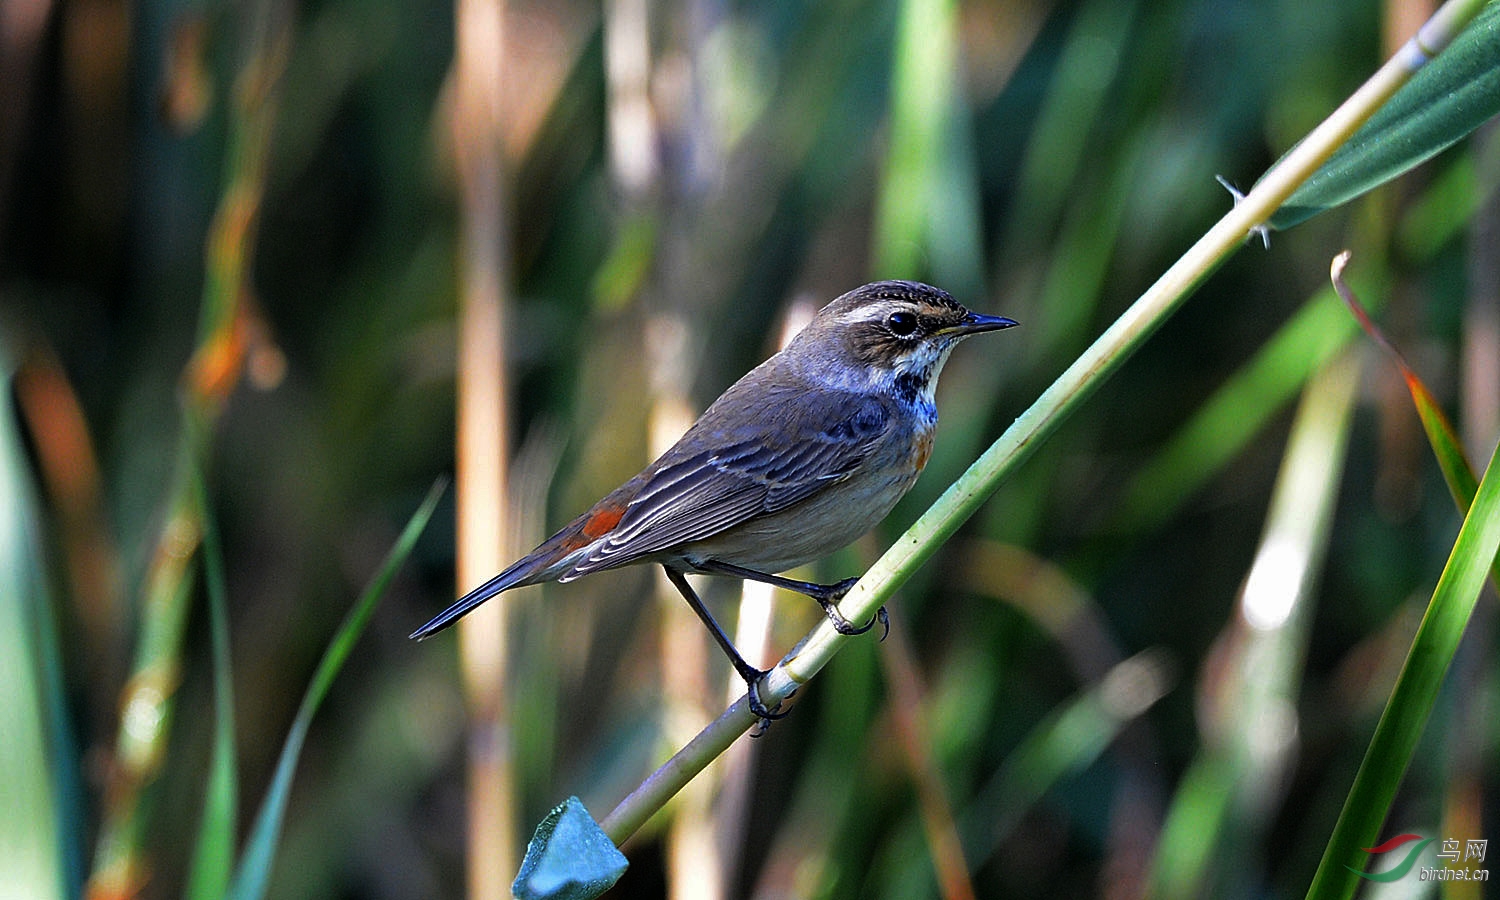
(920, 417)
(921, 449)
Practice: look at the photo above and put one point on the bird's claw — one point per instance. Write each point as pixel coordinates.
(828, 598)
(844, 626)
(764, 715)
(849, 629)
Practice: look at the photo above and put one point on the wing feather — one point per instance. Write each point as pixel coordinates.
(725, 473)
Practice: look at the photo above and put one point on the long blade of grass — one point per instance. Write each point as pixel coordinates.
(33, 831)
(1401, 725)
(254, 871)
(1454, 463)
(1250, 726)
(927, 217)
(208, 380)
(1440, 433)
(213, 856)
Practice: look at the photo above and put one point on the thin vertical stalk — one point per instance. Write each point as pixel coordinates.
(148, 699)
(926, 216)
(483, 439)
(914, 735)
(1250, 739)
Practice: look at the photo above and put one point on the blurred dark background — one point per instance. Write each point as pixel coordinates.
(680, 181)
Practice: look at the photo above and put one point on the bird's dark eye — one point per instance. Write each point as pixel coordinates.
(901, 324)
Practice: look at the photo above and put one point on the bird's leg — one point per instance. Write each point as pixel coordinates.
(746, 671)
(827, 595)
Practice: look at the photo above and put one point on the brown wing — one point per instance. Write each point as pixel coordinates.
(724, 473)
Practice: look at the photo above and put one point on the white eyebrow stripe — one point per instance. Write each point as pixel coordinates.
(871, 313)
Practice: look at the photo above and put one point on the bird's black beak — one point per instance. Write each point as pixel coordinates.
(974, 323)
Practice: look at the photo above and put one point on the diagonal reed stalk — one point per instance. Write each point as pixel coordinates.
(1071, 388)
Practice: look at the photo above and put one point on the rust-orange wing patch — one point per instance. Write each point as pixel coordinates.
(602, 520)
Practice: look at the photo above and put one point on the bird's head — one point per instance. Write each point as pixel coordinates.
(889, 334)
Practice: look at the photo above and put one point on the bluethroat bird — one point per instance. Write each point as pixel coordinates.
(795, 460)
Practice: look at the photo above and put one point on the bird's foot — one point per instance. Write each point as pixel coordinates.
(828, 596)
(763, 714)
(849, 629)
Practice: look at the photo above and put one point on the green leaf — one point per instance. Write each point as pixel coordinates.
(927, 217)
(254, 871)
(213, 857)
(1416, 690)
(36, 754)
(1446, 446)
(1444, 101)
(1444, 440)
(569, 857)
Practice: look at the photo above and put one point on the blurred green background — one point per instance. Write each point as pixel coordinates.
(1070, 705)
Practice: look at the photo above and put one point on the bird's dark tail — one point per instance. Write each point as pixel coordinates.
(549, 561)
(515, 576)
